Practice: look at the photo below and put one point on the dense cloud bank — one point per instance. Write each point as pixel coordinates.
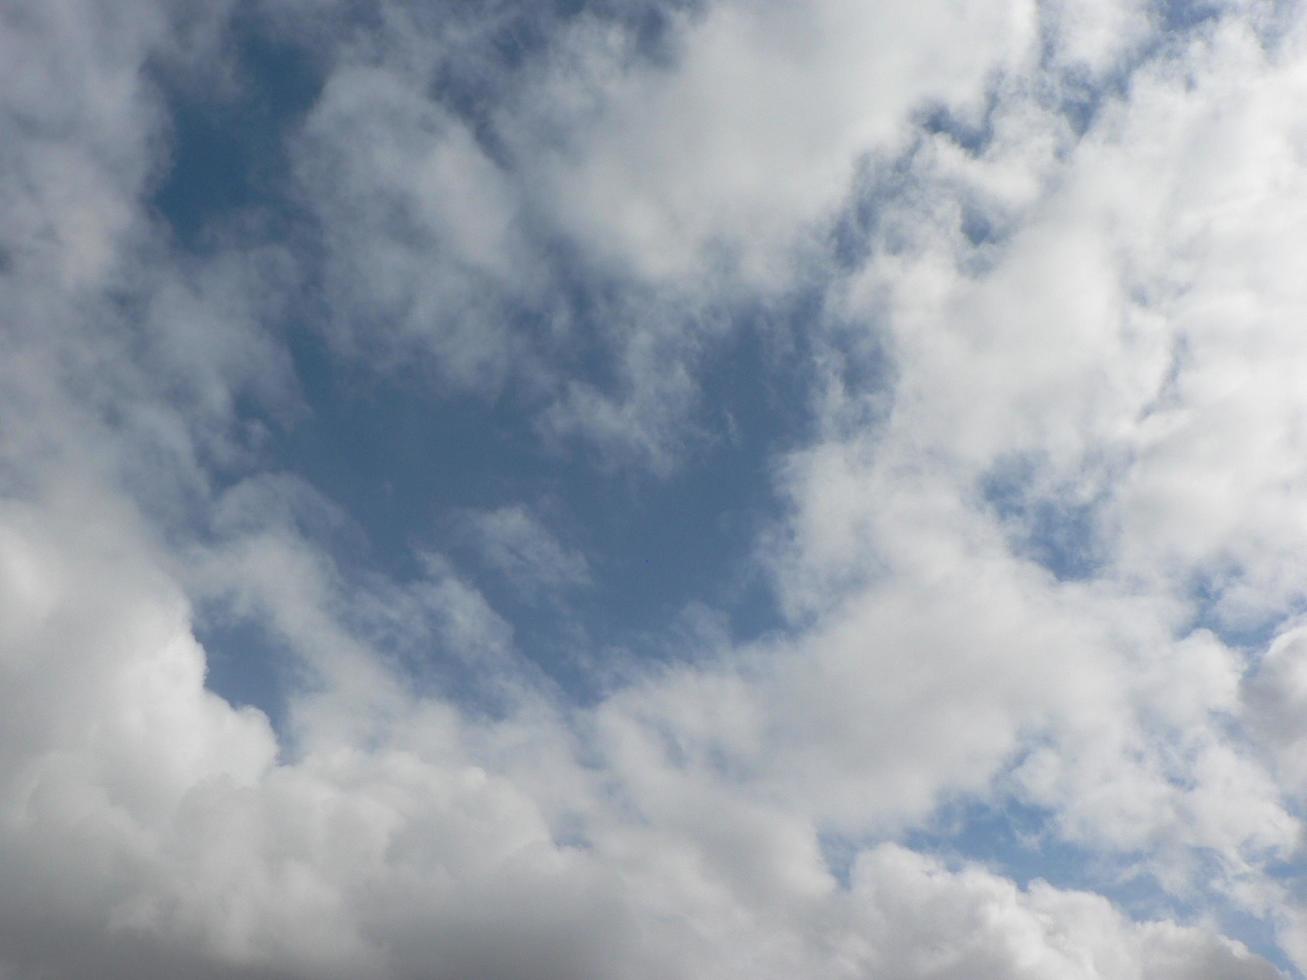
(1028, 698)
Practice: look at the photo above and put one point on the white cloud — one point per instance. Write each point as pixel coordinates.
(940, 924)
(1125, 340)
(1126, 334)
(720, 164)
(155, 818)
(1129, 338)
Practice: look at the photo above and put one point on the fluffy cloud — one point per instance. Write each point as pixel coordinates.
(156, 825)
(1048, 558)
(722, 161)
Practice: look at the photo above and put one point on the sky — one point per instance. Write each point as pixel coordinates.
(653, 489)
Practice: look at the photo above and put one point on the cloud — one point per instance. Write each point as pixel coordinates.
(1087, 312)
(519, 547)
(401, 859)
(491, 246)
(948, 924)
(717, 165)
(1058, 346)
(423, 252)
(1115, 312)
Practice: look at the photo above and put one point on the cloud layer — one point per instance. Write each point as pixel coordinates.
(992, 316)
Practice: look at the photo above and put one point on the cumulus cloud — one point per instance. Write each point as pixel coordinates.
(1048, 560)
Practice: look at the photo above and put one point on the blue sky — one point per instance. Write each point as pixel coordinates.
(652, 489)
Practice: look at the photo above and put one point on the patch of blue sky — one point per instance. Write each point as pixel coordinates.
(1019, 841)
(404, 461)
(404, 465)
(244, 663)
(855, 230)
(1181, 15)
(1292, 874)
(1057, 530)
(227, 152)
(867, 223)
(972, 134)
(1247, 630)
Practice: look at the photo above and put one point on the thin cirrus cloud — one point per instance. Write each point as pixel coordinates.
(652, 490)
(519, 547)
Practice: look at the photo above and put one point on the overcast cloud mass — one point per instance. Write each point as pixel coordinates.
(653, 489)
